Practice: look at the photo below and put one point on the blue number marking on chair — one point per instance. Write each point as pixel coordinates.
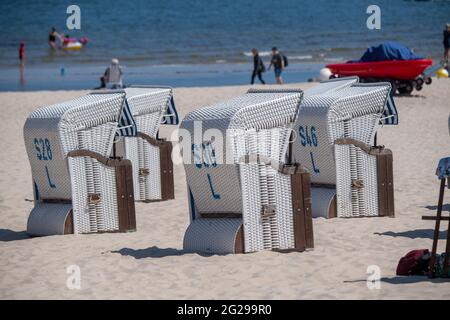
(38, 150)
(213, 192)
(314, 137)
(49, 149)
(308, 137)
(316, 170)
(301, 132)
(50, 183)
(43, 149)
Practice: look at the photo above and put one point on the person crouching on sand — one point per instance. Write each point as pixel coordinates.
(113, 74)
(278, 64)
(258, 66)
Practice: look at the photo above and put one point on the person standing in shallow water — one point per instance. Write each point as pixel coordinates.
(278, 64)
(258, 67)
(22, 54)
(52, 38)
(446, 42)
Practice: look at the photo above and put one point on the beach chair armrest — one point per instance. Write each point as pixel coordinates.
(100, 158)
(371, 150)
(150, 140)
(283, 168)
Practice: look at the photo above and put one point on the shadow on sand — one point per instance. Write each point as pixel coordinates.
(155, 252)
(406, 95)
(405, 280)
(414, 234)
(11, 235)
(445, 207)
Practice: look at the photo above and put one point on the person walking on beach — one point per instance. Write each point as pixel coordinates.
(278, 64)
(113, 74)
(52, 38)
(22, 54)
(446, 43)
(258, 67)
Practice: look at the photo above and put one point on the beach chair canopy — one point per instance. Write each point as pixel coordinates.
(228, 131)
(226, 192)
(390, 114)
(51, 132)
(331, 85)
(340, 109)
(87, 123)
(149, 107)
(352, 112)
(155, 100)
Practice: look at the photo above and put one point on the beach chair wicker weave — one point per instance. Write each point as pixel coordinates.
(335, 127)
(69, 146)
(150, 156)
(239, 180)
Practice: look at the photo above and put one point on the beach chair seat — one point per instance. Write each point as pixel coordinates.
(151, 156)
(244, 193)
(335, 128)
(77, 187)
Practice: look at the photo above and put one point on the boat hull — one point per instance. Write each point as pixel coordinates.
(393, 69)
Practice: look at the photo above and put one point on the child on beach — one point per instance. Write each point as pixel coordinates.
(278, 64)
(22, 54)
(258, 67)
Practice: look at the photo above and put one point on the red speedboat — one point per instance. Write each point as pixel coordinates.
(392, 69)
(390, 61)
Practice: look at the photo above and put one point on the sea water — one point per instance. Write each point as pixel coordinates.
(204, 43)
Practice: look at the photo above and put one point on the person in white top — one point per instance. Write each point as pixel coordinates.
(113, 75)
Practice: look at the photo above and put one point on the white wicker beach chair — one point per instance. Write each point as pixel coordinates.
(150, 155)
(244, 194)
(336, 125)
(331, 85)
(77, 187)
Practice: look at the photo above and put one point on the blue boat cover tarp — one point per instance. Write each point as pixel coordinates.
(389, 51)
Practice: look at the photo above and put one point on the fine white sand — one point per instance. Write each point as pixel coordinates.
(151, 264)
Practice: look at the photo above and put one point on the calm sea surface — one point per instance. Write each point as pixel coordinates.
(203, 42)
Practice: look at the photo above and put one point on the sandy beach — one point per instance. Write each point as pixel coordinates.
(150, 263)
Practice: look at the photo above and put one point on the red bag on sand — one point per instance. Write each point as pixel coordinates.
(414, 263)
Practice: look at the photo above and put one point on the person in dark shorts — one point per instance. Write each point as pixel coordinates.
(258, 67)
(52, 38)
(278, 64)
(446, 42)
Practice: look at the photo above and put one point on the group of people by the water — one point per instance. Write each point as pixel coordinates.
(65, 41)
(278, 61)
